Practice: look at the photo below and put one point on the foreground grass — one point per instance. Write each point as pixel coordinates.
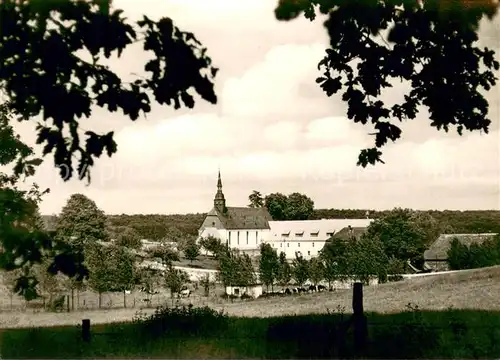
(412, 334)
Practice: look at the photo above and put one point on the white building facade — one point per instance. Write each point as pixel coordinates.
(245, 229)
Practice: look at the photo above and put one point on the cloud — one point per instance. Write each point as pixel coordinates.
(273, 130)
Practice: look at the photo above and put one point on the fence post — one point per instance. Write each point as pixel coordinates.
(359, 319)
(86, 330)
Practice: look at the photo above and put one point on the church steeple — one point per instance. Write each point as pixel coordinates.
(219, 200)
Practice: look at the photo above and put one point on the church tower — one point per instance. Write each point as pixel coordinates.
(219, 200)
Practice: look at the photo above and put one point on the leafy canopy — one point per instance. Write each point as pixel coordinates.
(43, 46)
(429, 45)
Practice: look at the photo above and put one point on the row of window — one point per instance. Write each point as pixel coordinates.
(288, 244)
(238, 237)
(301, 234)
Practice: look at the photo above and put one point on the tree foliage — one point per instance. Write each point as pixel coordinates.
(191, 250)
(235, 269)
(461, 256)
(164, 253)
(175, 279)
(268, 265)
(316, 270)
(212, 244)
(405, 234)
(284, 270)
(300, 270)
(295, 206)
(41, 39)
(256, 199)
(111, 268)
(335, 255)
(367, 259)
(429, 45)
(81, 222)
(24, 242)
(129, 238)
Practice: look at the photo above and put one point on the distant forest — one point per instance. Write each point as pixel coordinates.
(176, 227)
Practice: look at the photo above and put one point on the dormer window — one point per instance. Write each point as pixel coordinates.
(330, 234)
(315, 233)
(286, 234)
(299, 233)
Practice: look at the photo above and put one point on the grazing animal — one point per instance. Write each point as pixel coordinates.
(312, 288)
(321, 288)
(288, 292)
(128, 292)
(185, 293)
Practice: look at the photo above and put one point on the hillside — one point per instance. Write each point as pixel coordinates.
(173, 227)
(471, 289)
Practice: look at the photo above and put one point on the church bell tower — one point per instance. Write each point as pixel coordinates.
(219, 200)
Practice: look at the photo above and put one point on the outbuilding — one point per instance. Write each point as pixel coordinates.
(254, 290)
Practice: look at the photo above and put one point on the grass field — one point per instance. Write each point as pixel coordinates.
(262, 329)
(475, 289)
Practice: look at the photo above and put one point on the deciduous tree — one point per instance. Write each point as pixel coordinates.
(129, 238)
(300, 270)
(81, 221)
(268, 265)
(111, 268)
(404, 233)
(191, 250)
(335, 255)
(175, 279)
(295, 206)
(425, 43)
(212, 244)
(367, 260)
(256, 199)
(47, 49)
(284, 270)
(316, 270)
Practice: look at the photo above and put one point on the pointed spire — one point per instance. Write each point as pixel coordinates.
(219, 181)
(219, 200)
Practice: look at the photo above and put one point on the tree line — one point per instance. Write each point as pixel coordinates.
(462, 256)
(181, 226)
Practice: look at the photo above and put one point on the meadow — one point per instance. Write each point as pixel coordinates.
(443, 316)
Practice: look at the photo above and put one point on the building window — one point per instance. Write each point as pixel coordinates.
(247, 237)
(298, 244)
(256, 237)
(281, 244)
(229, 237)
(313, 244)
(308, 252)
(288, 244)
(213, 223)
(238, 237)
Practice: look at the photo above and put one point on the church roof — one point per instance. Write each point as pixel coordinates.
(245, 218)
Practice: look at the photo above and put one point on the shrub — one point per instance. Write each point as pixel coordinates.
(182, 321)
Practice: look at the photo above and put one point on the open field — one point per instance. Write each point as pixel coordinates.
(474, 289)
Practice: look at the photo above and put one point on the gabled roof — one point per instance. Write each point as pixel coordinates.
(244, 218)
(347, 234)
(439, 249)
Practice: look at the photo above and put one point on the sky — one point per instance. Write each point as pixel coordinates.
(273, 130)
